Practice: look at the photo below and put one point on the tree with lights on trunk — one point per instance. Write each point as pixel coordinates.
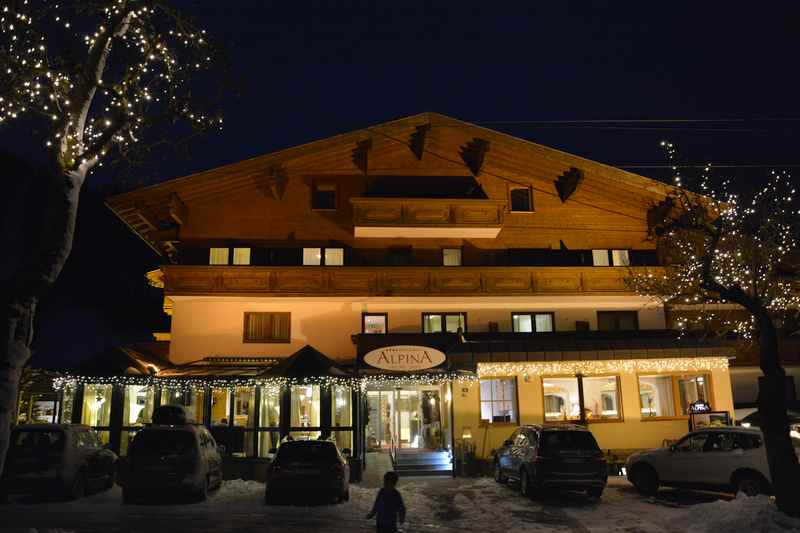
(102, 81)
(731, 261)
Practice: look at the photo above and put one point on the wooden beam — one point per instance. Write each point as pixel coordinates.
(567, 183)
(178, 210)
(473, 154)
(360, 155)
(417, 140)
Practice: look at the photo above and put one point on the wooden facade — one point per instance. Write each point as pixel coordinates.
(576, 203)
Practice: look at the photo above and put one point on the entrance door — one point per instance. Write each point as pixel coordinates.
(418, 418)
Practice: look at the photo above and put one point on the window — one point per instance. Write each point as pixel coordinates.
(658, 394)
(334, 256)
(97, 405)
(241, 256)
(218, 256)
(193, 402)
(341, 411)
(305, 406)
(444, 322)
(532, 322)
(610, 258)
(561, 402)
(267, 327)
(521, 199)
(451, 257)
(692, 443)
(312, 256)
(498, 397)
(326, 256)
(399, 256)
(374, 323)
(617, 320)
(138, 405)
(601, 398)
(323, 197)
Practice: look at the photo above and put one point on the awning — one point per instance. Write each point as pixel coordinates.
(306, 363)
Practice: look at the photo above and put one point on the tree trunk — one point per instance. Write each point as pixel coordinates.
(783, 463)
(41, 266)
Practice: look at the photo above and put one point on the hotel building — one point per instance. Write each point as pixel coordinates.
(422, 284)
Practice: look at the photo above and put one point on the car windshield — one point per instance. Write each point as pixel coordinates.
(556, 441)
(312, 452)
(163, 442)
(37, 442)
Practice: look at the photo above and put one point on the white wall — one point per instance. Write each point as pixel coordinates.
(213, 326)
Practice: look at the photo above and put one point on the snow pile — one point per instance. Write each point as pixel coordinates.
(744, 513)
(240, 491)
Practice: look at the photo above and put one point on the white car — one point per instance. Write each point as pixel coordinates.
(720, 458)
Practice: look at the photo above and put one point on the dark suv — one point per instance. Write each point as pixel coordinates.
(557, 457)
(304, 467)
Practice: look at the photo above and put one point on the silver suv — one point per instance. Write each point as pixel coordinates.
(726, 458)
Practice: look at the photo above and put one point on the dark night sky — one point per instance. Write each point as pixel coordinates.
(306, 71)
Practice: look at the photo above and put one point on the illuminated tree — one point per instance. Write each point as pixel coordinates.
(731, 261)
(97, 78)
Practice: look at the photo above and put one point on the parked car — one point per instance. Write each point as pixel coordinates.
(754, 420)
(720, 458)
(176, 458)
(303, 467)
(557, 457)
(57, 458)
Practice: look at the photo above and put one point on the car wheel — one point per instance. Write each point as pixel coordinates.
(346, 496)
(595, 492)
(269, 498)
(109, 484)
(645, 480)
(202, 494)
(525, 484)
(78, 488)
(498, 473)
(750, 484)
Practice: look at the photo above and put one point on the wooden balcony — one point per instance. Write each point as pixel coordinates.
(431, 218)
(394, 281)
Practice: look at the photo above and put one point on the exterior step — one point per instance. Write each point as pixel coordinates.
(424, 470)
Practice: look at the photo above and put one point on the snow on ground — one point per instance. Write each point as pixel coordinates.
(755, 514)
(434, 505)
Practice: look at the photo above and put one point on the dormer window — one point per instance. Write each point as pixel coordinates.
(218, 256)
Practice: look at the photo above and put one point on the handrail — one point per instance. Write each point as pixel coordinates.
(393, 450)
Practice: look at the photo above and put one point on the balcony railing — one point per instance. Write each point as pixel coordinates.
(434, 218)
(395, 281)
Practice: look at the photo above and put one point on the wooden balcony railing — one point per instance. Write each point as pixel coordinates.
(412, 217)
(394, 281)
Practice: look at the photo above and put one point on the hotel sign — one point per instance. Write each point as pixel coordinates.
(404, 358)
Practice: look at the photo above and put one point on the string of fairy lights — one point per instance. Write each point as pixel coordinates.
(102, 100)
(725, 248)
(505, 369)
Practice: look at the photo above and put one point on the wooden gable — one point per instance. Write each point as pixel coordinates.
(268, 198)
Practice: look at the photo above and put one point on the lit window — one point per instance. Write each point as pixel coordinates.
(138, 405)
(521, 199)
(600, 258)
(620, 258)
(498, 400)
(561, 402)
(305, 406)
(601, 398)
(241, 256)
(444, 322)
(323, 197)
(451, 256)
(532, 322)
(374, 323)
(658, 399)
(341, 411)
(267, 327)
(334, 256)
(312, 256)
(218, 256)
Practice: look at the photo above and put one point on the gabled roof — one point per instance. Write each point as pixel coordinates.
(146, 209)
(307, 362)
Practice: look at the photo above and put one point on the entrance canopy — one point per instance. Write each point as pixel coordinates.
(305, 365)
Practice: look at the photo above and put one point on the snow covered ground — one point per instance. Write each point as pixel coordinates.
(435, 505)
